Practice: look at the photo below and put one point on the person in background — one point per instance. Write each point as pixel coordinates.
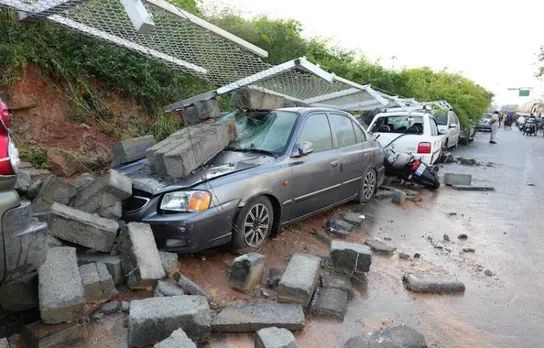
(495, 121)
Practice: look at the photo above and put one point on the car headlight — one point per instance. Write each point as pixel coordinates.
(186, 201)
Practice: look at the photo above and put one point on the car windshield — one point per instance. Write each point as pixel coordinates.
(267, 132)
(399, 124)
(442, 119)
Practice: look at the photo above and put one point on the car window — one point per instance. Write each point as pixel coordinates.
(317, 131)
(399, 124)
(434, 127)
(361, 136)
(441, 119)
(343, 129)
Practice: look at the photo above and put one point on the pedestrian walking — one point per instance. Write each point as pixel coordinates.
(494, 127)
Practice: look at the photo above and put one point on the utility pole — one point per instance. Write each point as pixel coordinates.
(393, 62)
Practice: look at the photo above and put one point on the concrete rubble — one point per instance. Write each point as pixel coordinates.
(82, 228)
(20, 294)
(178, 339)
(451, 179)
(131, 150)
(169, 261)
(396, 337)
(331, 302)
(110, 308)
(201, 111)
(398, 197)
(97, 282)
(113, 264)
(39, 334)
(299, 280)
(4, 343)
(246, 272)
(140, 257)
(191, 287)
(52, 190)
(154, 319)
(251, 318)
(353, 218)
(379, 246)
(350, 257)
(273, 337)
(252, 99)
(336, 281)
(61, 293)
(274, 277)
(436, 284)
(166, 289)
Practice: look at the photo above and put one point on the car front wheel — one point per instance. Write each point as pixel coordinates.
(368, 186)
(253, 225)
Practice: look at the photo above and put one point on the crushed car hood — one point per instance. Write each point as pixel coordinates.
(227, 162)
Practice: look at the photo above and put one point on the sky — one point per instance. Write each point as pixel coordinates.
(491, 42)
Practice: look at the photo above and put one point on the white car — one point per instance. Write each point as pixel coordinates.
(448, 124)
(413, 132)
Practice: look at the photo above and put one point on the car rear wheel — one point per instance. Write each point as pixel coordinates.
(368, 186)
(253, 225)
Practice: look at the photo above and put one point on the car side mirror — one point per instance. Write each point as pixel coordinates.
(443, 132)
(305, 148)
(453, 125)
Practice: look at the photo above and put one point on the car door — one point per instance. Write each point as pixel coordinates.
(456, 129)
(353, 153)
(315, 181)
(436, 140)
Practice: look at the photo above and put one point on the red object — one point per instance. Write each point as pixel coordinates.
(424, 148)
(415, 165)
(5, 123)
(5, 118)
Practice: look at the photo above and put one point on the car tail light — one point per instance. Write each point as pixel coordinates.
(415, 165)
(424, 148)
(5, 118)
(9, 156)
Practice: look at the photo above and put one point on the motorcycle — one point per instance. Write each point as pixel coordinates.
(529, 128)
(406, 167)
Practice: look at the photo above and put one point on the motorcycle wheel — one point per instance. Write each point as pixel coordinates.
(429, 179)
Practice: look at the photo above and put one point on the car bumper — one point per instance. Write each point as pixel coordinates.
(189, 232)
(483, 129)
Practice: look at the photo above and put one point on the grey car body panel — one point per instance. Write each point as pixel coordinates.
(9, 199)
(297, 186)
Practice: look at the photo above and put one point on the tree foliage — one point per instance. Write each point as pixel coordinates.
(540, 69)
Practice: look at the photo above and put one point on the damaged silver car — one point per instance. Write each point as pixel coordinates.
(283, 166)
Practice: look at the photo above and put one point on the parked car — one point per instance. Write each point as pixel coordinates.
(467, 135)
(22, 237)
(284, 166)
(485, 124)
(449, 124)
(413, 132)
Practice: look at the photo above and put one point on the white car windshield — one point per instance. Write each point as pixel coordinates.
(442, 119)
(399, 124)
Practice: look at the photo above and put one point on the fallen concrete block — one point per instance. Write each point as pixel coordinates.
(252, 318)
(384, 194)
(110, 308)
(451, 179)
(24, 180)
(125, 306)
(330, 302)
(435, 284)
(299, 280)
(169, 261)
(398, 336)
(190, 286)
(39, 334)
(82, 228)
(398, 197)
(178, 339)
(379, 246)
(139, 256)
(97, 282)
(473, 188)
(343, 226)
(4, 343)
(20, 294)
(113, 264)
(252, 99)
(130, 150)
(83, 180)
(274, 277)
(103, 193)
(61, 293)
(273, 337)
(117, 184)
(154, 319)
(336, 281)
(167, 289)
(52, 190)
(246, 272)
(350, 257)
(353, 218)
(110, 207)
(200, 111)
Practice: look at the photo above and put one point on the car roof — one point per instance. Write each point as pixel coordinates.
(403, 113)
(305, 110)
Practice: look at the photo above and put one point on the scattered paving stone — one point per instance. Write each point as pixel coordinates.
(98, 316)
(61, 293)
(350, 257)
(395, 337)
(462, 236)
(21, 294)
(473, 188)
(130, 150)
(252, 318)
(52, 190)
(154, 319)
(404, 256)
(343, 226)
(110, 308)
(467, 161)
(353, 218)
(451, 179)
(166, 289)
(488, 273)
(191, 287)
(446, 237)
(169, 261)
(113, 264)
(125, 306)
(384, 194)
(246, 272)
(398, 197)
(379, 246)
(469, 250)
(39, 334)
(299, 280)
(330, 302)
(274, 277)
(178, 339)
(417, 255)
(337, 281)
(435, 284)
(273, 337)
(97, 282)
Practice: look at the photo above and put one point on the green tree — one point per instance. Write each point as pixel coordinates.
(540, 71)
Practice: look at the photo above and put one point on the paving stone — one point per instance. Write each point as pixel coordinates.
(273, 337)
(97, 282)
(350, 257)
(473, 188)
(396, 337)
(23, 182)
(299, 280)
(166, 289)
(117, 184)
(169, 261)
(337, 281)
(398, 197)
(110, 308)
(140, 257)
(20, 294)
(125, 306)
(330, 302)
(274, 277)
(178, 339)
(451, 179)
(82, 228)
(113, 264)
(41, 335)
(61, 293)
(190, 286)
(344, 226)
(379, 246)
(353, 218)
(200, 111)
(110, 207)
(130, 150)
(83, 180)
(251, 318)
(154, 319)
(52, 190)
(4, 343)
(252, 99)
(432, 283)
(246, 272)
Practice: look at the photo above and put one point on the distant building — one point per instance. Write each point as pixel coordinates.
(535, 108)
